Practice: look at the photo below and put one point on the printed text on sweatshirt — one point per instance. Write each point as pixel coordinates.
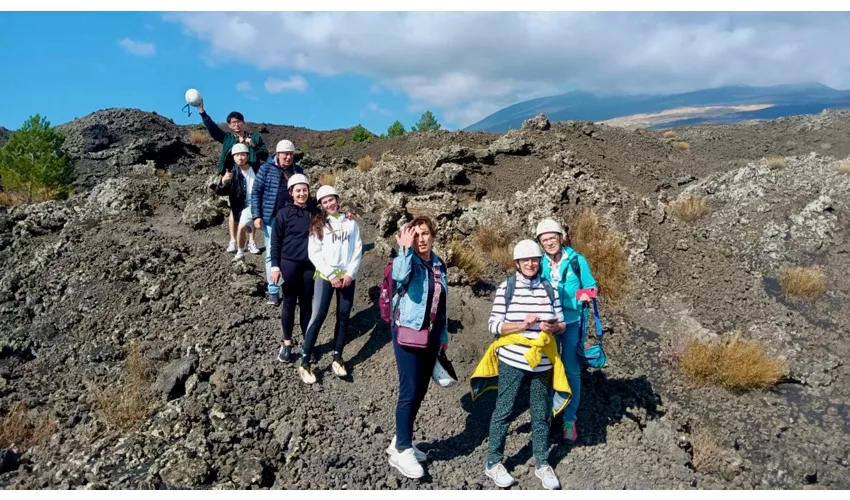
(340, 249)
(529, 298)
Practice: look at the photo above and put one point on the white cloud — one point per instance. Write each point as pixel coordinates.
(137, 48)
(466, 63)
(244, 86)
(295, 82)
(374, 108)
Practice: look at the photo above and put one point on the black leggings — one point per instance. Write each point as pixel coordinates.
(323, 292)
(297, 287)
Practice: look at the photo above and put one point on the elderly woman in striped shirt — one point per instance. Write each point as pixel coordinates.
(529, 306)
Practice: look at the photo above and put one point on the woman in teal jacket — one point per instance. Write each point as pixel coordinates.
(556, 267)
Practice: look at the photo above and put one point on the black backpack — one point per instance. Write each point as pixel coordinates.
(509, 290)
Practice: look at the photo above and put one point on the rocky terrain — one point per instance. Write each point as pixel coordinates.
(146, 359)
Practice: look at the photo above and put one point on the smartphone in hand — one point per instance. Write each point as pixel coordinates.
(591, 293)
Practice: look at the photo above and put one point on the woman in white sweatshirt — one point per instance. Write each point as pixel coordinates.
(335, 249)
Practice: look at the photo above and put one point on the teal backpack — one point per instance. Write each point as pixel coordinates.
(592, 356)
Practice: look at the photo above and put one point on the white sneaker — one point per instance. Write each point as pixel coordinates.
(339, 369)
(307, 376)
(232, 246)
(240, 255)
(548, 477)
(252, 247)
(419, 454)
(500, 475)
(407, 464)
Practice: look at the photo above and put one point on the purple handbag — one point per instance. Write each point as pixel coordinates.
(411, 337)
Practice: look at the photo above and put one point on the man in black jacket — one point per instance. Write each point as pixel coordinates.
(237, 185)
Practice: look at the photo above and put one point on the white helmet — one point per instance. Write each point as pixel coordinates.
(285, 146)
(442, 376)
(239, 148)
(549, 226)
(193, 97)
(297, 179)
(526, 249)
(326, 191)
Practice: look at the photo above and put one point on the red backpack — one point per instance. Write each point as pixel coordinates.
(385, 299)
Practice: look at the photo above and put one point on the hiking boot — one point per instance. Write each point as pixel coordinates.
(570, 433)
(240, 255)
(274, 299)
(306, 374)
(406, 463)
(417, 453)
(338, 366)
(499, 475)
(548, 478)
(232, 246)
(285, 354)
(252, 247)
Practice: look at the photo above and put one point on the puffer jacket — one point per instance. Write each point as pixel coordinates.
(270, 180)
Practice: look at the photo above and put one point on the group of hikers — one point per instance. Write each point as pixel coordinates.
(313, 252)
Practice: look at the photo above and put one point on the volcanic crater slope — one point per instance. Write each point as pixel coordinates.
(134, 354)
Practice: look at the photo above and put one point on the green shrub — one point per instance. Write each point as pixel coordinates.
(32, 164)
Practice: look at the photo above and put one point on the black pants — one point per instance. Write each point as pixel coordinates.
(297, 288)
(414, 375)
(323, 292)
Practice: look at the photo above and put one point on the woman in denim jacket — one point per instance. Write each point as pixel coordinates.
(414, 271)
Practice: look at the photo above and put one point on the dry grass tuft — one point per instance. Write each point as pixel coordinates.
(733, 363)
(327, 179)
(198, 137)
(467, 258)
(127, 403)
(670, 134)
(606, 253)
(843, 167)
(802, 282)
(776, 162)
(682, 146)
(18, 433)
(504, 256)
(688, 209)
(9, 200)
(365, 164)
(707, 456)
(495, 240)
(165, 173)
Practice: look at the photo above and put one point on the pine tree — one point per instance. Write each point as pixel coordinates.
(32, 164)
(426, 123)
(396, 129)
(361, 134)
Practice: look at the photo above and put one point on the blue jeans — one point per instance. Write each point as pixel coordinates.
(267, 242)
(569, 343)
(414, 376)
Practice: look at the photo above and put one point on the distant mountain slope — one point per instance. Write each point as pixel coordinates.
(776, 101)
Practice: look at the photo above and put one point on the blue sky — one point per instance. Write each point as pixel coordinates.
(77, 65)
(327, 70)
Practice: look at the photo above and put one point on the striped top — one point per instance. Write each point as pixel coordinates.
(529, 298)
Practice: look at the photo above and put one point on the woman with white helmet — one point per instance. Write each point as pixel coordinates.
(291, 262)
(525, 317)
(334, 248)
(559, 267)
